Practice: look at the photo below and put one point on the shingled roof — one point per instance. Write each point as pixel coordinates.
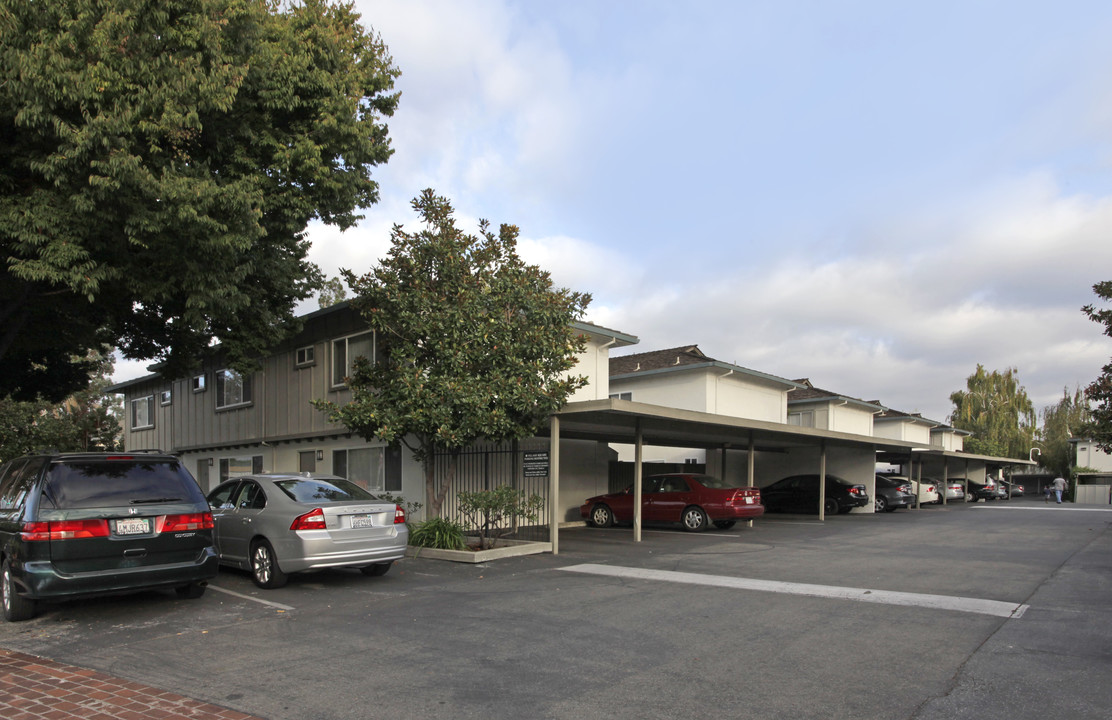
(810, 393)
(658, 359)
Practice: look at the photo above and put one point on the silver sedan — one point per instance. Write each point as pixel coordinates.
(274, 524)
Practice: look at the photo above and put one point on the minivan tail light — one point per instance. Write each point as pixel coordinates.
(184, 523)
(63, 530)
(399, 515)
(312, 520)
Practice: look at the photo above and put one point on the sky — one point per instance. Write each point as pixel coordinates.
(876, 196)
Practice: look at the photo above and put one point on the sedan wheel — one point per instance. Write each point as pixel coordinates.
(880, 504)
(830, 507)
(264, 567)
(601, 516)
(694, 519)
(16, 608)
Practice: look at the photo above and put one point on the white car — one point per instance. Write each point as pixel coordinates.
(927, 490)
(955, 488)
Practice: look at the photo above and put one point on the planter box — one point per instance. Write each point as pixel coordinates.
(505, 549)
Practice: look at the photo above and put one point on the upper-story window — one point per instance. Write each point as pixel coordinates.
(232, 389)
(344, 352)
(621, 396)
(306, 356)
(802, 419)
(165, 397)
(142, 412)
(198, 383)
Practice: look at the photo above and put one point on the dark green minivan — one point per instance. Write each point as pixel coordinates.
(81, 524)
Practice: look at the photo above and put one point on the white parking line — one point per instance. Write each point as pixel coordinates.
(271, 603)
(1047, 507)
(886, 597)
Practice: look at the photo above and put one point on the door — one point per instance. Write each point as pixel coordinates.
(672, 497)
(239, 521)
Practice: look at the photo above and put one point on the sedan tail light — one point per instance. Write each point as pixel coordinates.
(399, 515)
(312, 520)
(930, 488)
(183, 523)
(63, 530)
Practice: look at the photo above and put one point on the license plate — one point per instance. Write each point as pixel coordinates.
(362, 521)
(748, 501)
(133, 526)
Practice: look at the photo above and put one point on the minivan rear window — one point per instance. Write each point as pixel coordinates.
(91, 483)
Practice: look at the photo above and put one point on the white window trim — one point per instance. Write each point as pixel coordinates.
(339, 383)
(220, 395)
(165, 397)
(311, 351)
(198, 383)
(149, 399)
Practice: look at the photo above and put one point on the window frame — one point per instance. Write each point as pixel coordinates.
(246, 385)
(165, 397)
(304, 357)
(198, 383)
(336, 383)
(149, 400)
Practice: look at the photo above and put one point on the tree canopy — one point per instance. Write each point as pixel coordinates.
(159, 162)
(996, 409)
(471, 342)
(87, 420)
(1099, 392)
(1061, 422)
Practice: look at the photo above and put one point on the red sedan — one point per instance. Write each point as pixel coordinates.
(690, 499)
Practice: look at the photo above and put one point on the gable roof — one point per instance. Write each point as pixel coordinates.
(683, 358)
(808, 393)
(890, 415)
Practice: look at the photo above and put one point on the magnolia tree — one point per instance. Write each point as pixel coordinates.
(471, 343)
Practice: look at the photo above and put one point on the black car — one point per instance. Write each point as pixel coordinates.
(800, 493)
(987, 490)
(892, 494)
(82, 524)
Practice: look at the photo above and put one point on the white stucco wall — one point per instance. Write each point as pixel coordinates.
(1089, 455)
(902, 430)
(710, 391)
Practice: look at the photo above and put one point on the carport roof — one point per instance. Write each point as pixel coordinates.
(617, 421)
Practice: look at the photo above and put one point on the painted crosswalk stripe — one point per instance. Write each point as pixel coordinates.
(886, 597)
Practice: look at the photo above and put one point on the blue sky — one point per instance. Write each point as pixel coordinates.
(874, 195)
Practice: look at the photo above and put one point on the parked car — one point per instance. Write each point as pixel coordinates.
(74, 525)
(1012, 489)
(892, 493)
(800, 493)
(692, 500)
(927, 489)
(954, 488)
(987, 490)
(275, 524)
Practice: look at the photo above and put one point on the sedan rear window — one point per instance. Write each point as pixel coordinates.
(318, 490)
(90, 484)
(709, 481)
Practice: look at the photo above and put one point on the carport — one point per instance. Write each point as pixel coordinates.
(949, 465)
(640, 425)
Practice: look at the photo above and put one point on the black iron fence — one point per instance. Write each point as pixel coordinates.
(522, 465)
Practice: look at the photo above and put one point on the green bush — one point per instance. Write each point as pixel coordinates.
(439, 533)
(494, 511)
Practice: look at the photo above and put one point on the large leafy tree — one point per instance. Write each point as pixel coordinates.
(472, 342)
(1061, 422)
(87, 420)
(1099, 392)
(159, 163)
(996, 409)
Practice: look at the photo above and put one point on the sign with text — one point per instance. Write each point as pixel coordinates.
(535, 464)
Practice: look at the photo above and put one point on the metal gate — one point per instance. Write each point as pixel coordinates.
(486, 466)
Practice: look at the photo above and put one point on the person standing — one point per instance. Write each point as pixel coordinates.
(1059, 486)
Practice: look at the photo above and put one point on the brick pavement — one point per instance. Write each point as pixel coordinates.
(33, 688)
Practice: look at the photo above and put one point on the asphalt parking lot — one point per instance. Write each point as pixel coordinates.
(999, 610)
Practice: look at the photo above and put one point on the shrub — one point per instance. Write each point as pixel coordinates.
(439, 533)
(493, 511)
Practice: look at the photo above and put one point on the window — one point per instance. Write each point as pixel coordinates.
(232, 389)
(621, 396)
(234, 467)
(345, 351)
(142, 412)
(366, 467)
(802, 419)
(164, 397)
(306, 356)
(198, 383)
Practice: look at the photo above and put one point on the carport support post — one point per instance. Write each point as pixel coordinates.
(554, 484)
(638, 451)
(751, 467)
(945, 479)
(822, 482)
